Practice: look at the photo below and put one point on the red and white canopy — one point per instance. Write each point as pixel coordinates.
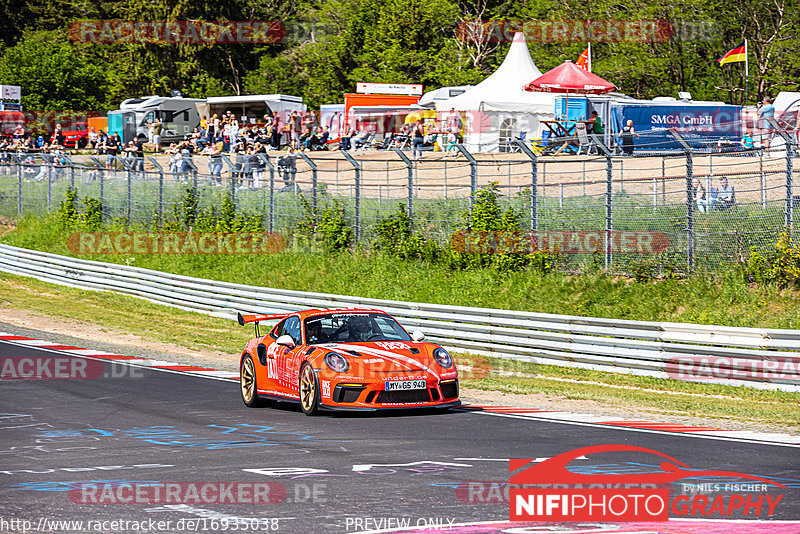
(569, 78)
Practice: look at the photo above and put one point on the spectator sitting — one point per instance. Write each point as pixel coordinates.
(726, 197)
(345, 144)
(360, 138)
(699, 196)
(747, 140)
(322, 140)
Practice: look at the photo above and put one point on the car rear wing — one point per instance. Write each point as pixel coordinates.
(243, 319)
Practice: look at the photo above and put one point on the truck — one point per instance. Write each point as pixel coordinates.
(179, 117)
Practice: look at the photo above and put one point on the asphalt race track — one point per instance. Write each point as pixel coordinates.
(331, 473)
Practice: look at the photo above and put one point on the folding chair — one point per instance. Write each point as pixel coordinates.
(583, 138)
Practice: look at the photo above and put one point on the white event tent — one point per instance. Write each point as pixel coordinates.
(498, 109)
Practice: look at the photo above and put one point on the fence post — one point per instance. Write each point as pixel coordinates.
(71, 172)
(49, 181)
(357, 169)
(19, 185)
(410, 167)
(763, 179)
(313, 166)
(100, 170)
(787, 138)
(534, 200)
(128, 174)
(689, 213)
(160, 188)
(689, 200)
(473, 174)
(602, 148)
(609, 209)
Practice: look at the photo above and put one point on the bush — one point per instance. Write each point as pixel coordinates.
(71, 219)
(396, 238)
(781, 266)
(68, 215)
(326, 227)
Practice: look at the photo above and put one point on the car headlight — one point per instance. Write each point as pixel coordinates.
(443, 358)
(336, 362)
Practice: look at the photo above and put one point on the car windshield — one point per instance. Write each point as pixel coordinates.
(353, 328)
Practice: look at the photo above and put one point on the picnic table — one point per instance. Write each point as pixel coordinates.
(563, 134)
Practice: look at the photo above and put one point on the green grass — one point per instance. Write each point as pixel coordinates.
(648, 394)
(721, 236)
(723, 298)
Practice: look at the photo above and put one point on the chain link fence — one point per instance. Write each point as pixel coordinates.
(584, 204)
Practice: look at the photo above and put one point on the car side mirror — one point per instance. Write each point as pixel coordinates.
(286, 340)
(417, 336)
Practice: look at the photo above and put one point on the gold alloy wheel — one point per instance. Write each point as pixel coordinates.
(308, 389)
(248, 381)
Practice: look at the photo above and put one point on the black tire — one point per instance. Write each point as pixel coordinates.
(247, 383)
(308, 388)
(82, 142)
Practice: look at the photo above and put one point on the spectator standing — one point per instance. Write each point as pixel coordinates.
(157, 129)
(276, 131)
(138, 163)
(765, 115)
(58, 136)
(93, 137)
(626, 135)
(214, 162)
(112, 149)
(418, 137)
(234, 132)
(289, 169)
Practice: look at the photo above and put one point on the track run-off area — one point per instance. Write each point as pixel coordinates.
(115, 443)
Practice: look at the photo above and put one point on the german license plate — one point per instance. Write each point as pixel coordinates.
(403, 385)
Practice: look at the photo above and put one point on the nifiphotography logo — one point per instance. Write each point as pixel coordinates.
(548, 491)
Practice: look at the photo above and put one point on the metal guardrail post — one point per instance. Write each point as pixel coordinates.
(473, 174)
(313, 166)
(410, 167)
(357, 168)
(534, 207)
(690, 245)
(160, 170)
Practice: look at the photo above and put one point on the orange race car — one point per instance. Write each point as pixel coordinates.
(347, 359)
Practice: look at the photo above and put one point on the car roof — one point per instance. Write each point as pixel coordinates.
(316, 311)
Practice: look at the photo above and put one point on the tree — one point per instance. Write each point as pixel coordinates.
(54, 74)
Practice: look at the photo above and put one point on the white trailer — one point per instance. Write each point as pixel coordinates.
(179, 116)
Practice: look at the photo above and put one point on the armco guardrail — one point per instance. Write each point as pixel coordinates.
(764, 358)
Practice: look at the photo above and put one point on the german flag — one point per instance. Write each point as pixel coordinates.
(739, 53)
